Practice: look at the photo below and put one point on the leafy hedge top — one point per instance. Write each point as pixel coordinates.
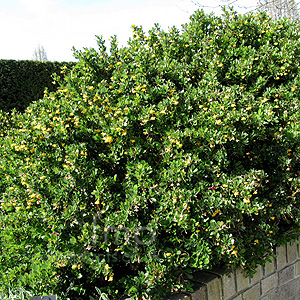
(24, 81)
(178, 152)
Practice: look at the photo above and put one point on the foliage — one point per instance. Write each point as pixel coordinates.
(178, 152)
(15, 294)
(24, 81)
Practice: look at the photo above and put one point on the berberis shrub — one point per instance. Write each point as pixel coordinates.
(178, 152)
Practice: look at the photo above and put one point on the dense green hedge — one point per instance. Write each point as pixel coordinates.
(178, 152)
(24, 81)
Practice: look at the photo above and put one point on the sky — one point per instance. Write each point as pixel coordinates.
(60, 25)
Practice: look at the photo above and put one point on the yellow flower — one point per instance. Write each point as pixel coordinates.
(168, 254)
(109, 279)
(74, 267)
(215, 213)
(218, 122)
(188, 161)
(108, 139)
(256, 241)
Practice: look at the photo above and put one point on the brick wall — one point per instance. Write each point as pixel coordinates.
(278, 280)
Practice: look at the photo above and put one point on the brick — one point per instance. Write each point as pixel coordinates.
(253, 293)
(179, 297)
(242, 281)
(257, 276)
(200, 292)
(229, 285)
(212, 282)
(214, 289)
(297, 268)
(292, 252)
(286, 291)
(269, 283)
(270, 267)
(286, 274)
(264, 298)
(280, 257)
(239, 297)
(228, 281)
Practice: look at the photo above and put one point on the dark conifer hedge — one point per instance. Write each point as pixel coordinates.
(23, 82)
